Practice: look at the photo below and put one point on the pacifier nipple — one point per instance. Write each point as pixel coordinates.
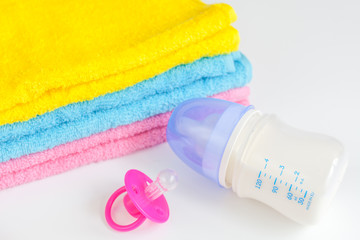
(166, 181)
(144, 198)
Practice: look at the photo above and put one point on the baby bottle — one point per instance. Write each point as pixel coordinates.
(258, 156)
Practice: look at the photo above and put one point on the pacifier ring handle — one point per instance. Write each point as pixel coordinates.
(110, 221)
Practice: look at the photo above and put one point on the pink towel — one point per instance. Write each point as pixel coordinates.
(112, 143)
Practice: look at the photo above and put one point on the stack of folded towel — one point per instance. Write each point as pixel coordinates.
(85, 82)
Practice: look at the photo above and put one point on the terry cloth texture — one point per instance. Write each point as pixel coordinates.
(112, 143)
(55, 52)
(205, 77)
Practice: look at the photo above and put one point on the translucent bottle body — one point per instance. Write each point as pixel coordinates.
(293, 171)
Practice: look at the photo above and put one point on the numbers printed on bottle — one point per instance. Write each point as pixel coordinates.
(297, 175)
(282, 169)
(290, 195)
(301, 181)
(258, 183)
(295, 187)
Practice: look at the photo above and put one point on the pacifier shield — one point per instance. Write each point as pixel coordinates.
(156, 210)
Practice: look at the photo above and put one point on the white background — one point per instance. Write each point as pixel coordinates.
(305, 56)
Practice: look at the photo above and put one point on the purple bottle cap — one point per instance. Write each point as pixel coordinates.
(198, 132)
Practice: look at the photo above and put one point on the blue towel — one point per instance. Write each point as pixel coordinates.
(160, 94)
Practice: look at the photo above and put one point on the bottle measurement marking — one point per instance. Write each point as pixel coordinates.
(294, 184)
(266, 160)
(258, 181)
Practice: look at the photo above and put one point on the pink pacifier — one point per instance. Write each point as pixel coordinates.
(144, 198)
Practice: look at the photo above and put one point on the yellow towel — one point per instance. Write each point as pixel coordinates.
(57, 52)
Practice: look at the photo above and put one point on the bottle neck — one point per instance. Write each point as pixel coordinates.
(234, 151)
